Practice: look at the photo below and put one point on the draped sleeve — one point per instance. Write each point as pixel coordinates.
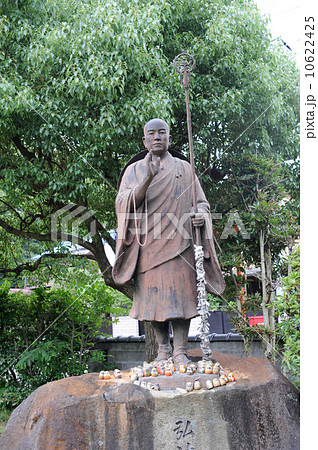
(127, 248)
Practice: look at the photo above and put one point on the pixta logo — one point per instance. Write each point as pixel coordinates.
(65, 223)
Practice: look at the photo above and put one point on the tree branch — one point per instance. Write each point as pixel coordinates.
(101, 228)
(12, 209)
(22, 149)
(32, 267)
(46, 237)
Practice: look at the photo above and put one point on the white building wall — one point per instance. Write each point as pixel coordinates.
(194, 325)
(126, 326)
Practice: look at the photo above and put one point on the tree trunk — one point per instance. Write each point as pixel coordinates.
(242, 312)
(267, 298)
(237, 297)
(151, 345)
(290, 245)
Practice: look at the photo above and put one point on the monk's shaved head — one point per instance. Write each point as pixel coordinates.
(156, 123)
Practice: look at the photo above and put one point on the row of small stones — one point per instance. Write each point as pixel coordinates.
(190, 386)
(168, 368)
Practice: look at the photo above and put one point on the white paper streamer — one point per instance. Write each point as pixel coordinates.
(203, 305)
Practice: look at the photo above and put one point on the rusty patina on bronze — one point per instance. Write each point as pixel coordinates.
(157, 189)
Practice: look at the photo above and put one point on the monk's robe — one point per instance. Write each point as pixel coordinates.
(163, 266)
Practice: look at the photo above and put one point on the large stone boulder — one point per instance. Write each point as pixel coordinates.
(260, 410)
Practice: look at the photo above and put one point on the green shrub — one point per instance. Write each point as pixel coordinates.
(48, 335)
(287, 308)
(252, 303)
(4, 417)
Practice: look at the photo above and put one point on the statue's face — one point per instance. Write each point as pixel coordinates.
(157, 137)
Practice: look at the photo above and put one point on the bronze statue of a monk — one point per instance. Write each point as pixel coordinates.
(154, 208)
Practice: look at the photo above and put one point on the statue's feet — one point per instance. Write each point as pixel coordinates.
(181, 359)
(164, 353)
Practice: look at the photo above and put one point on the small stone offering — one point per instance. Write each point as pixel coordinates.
(117, 373)
(139, 371)
(168, 371)
(216, 368)
(189, 370)
(225, 378)
(209, 384)
(154, 372)
(147, 372)
(216, 382)
(189, 386)
(133, 377)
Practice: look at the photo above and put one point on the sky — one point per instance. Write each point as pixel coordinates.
(285, 21)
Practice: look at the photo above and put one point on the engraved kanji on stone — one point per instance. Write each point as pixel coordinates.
(189, 447)
(183, 429)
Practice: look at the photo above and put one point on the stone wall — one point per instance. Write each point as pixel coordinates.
(126, 352)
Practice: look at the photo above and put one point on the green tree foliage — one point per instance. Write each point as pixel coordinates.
(240, 319)
(270, 216)
(47, 335)
(79, 80)
(287, 308)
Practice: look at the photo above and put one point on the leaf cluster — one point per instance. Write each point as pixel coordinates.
(287, 308)
(47, 335)
(79, 80)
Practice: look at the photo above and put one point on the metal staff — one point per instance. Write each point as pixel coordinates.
(184, 64)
